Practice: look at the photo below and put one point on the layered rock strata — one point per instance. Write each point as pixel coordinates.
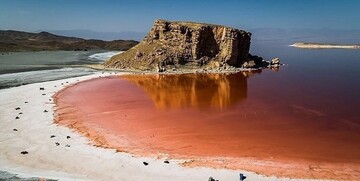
(171, 45)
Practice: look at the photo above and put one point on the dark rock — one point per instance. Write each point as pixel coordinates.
(52, 136)
(166, 162)
(67, 145)
(57, 143)
(160, 69)
(212, 179)
(42, 88)
(146, 163)
(24, 152)
(26, 102)
(256, 59)
(18, 108)
(17, 117)
(43, 94)
(15, 129)
(68, 137)
(20, 113)
(242, 177)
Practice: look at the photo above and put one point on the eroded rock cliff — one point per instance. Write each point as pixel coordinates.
(170, 45)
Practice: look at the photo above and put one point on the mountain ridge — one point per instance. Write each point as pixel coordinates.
(14, 41)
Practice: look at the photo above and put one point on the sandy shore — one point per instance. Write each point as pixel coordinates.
(57, 152)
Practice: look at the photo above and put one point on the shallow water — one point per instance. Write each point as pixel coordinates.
(20, 68)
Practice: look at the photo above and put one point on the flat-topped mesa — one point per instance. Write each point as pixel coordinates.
(189, 44)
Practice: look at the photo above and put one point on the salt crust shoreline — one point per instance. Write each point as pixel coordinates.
(80, 161)
(323, 46)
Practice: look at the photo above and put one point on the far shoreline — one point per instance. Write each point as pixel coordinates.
(324, 46)
(231, 70)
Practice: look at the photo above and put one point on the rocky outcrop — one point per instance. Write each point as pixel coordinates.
(170, 45)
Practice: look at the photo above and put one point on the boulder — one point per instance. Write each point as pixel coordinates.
(242, 177)
(249, 64)
(275, 61)
(211, 179)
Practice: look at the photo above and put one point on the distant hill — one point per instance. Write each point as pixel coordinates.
(24, 41)
(88, 34)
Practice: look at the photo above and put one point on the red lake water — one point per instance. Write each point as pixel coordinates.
(300, 121)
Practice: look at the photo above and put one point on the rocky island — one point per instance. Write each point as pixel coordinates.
(173, 45)
(325, 45)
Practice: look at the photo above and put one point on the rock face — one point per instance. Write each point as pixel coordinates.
(193, 45)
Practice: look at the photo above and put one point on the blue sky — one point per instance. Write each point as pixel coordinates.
(138, 15)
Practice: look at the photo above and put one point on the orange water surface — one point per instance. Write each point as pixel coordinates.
(231, 121)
